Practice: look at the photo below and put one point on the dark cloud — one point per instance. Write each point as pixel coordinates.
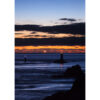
(50, 41)
(26, 27)
(33, 33)
(28, 36)
(36, 35)
(68, 19)
(76, 28)
(18, 33)
(43, 36)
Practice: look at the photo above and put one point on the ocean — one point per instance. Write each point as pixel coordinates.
(33, 78)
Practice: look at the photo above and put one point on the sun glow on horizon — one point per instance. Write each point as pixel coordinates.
(50, 49)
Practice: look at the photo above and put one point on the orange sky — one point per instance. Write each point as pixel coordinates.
(49, 49)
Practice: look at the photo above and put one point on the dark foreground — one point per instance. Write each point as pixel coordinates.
(77, 91)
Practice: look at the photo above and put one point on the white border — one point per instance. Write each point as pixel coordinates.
(7, 50)
(92, 50)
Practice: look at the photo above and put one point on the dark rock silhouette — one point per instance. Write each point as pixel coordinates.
(72, 72)
(77, 91)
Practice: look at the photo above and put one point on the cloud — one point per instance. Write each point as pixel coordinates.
(18, 33)
(68, 19)
(50, 41)
(28, 36)
(76, 28)
(26, 27)
(33, 33)
(35, 36)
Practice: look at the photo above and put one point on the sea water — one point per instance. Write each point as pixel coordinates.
(33, 78)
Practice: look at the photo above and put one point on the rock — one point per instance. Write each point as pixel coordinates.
(72, 72)
(77, 91)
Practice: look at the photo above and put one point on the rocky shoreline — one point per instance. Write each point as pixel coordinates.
(77, 91)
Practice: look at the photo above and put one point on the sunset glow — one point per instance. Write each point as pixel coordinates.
(50, 49)
(34, 34)
(49, 26)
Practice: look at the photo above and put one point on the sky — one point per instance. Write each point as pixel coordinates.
(49, 26)
(45, 12)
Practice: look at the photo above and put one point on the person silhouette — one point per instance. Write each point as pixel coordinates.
(61, 58)
(25, 58)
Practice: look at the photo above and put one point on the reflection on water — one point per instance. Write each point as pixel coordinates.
(61, 65)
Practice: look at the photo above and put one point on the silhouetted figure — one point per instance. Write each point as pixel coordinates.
(61, 57)
(25, 58)
(61, 60)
